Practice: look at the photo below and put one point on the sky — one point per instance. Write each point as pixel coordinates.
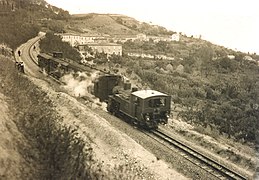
(230, 23)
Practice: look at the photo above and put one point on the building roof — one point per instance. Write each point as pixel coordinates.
(81, 35)
(44, 55)
(60, 61)
(100, 44)
(143, 94)
(125, 36)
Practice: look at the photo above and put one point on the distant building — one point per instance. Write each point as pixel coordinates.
(249, 58)
(231, 57)
(7, 6)
(142, 37)
(176, 37)
(156, 39)
(108, 48)
(78, 39)
(124, 37)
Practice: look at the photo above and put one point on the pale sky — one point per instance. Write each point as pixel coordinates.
(231, 23)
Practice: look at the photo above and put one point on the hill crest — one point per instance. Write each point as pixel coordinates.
(114, 24)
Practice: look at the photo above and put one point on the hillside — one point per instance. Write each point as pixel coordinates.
(98, 23)
(112, 24)
(116, 24)
(22, 20)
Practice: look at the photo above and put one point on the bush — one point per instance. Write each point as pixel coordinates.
(53, 43)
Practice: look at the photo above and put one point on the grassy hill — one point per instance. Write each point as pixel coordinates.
(98, 23)
(112, 24)
(22, 20)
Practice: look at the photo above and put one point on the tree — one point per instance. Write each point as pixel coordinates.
(116, 59)
(53, 43)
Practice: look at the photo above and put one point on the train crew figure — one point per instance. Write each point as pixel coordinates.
(19, 53)
(19, 66)
(16, 64)
(3, 51)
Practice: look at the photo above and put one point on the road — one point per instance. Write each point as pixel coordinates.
(30, 67)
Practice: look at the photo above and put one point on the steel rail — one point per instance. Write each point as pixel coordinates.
(211, 166)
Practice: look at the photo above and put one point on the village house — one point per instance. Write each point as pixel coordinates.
(7, 6)
(78, 39)
(176, 37)
(124, 37)
(142, 37)
(107, 48)
(249, 58)
(231, 56)
(156, 39)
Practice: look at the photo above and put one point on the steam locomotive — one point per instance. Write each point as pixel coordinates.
(146, 108)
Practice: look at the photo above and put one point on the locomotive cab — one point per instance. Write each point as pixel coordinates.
(151, 107)
(147, 108)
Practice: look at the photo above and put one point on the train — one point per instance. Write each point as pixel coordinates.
(57, 66)
(19, 66)
(145, 108)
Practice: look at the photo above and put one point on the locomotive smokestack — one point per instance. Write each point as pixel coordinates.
(134, 89)
(127, 85)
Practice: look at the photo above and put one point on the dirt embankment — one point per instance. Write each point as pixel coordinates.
(13, 163)
(15, 160)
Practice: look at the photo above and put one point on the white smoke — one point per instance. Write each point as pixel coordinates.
(80, 84)
(44, 72)
(77, 84)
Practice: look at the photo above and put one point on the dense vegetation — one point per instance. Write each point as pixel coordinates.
(52, 43)
(22, 20)
(208, 88)
(16, 29)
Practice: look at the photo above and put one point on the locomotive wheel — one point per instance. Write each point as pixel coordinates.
(114, 108)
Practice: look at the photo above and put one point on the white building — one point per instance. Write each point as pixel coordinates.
(108, 48)
(176, 37)
(77, 39)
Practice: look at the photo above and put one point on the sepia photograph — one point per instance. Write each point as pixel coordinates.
(123, 90)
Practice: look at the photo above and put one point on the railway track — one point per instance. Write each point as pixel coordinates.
(209, 165)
